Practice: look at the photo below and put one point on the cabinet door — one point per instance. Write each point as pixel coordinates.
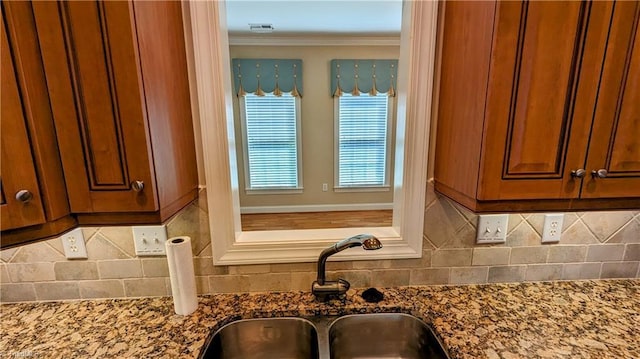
(90, 56)
(18, 171)
(615, 140)
(532, 136)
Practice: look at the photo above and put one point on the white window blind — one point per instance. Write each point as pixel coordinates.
(271, 141)
(362, 140)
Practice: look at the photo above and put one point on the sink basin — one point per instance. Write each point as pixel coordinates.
(362, 336)
(383, 336)
(282, 338)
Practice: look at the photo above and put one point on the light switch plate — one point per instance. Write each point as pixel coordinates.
(492, 228)
(73, 244)
(150, 240)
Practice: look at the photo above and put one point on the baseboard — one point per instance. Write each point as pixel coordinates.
(317, 208)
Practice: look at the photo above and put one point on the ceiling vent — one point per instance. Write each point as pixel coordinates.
(261, 28)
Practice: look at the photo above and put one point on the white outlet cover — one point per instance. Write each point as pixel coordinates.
(552, 229)
(73, 244)
(492, 228)
(150, 240)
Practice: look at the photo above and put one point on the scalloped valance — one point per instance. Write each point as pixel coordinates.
(260, 76)
(363, 76)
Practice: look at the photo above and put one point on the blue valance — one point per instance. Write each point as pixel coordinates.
(260, 76)
(363, 76)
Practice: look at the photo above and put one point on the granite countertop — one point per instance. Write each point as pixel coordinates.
(583, 319)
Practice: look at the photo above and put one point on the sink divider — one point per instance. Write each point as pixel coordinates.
(322, 325)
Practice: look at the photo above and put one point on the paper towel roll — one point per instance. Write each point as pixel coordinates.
(183, 278)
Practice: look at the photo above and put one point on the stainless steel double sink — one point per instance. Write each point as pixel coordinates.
(380, 335)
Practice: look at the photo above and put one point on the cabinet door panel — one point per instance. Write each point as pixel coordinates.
(18, 171)
(89, 52)
(101, 122)
(539, 48)
(615, 141)
(537, 132)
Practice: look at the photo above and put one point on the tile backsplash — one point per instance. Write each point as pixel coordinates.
(594, 245)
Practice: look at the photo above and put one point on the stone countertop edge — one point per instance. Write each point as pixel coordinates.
(570, 319)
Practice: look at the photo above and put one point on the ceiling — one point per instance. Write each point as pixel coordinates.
(316, 17)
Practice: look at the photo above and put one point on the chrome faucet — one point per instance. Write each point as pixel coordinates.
(322, 288)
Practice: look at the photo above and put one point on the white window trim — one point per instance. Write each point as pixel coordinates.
(336, 150)
(213, 81)
(245, 154)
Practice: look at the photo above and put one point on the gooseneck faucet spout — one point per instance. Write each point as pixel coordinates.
(322, 288)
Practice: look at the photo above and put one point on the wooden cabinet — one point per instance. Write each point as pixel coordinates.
(615, 138)
(96, 116)
(533, 98)
(118, 78)
(33, 195)
(23, 205)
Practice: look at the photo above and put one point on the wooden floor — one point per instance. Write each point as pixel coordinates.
(312, 220)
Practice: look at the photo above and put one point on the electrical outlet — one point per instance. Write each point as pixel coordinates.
(552, 229)
(492, 228)
(325, 187)
(73, 244)
(149, 240)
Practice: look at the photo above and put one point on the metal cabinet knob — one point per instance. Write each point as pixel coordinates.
(137, 186)
(601, 173)
(579, 173)
(24, 195)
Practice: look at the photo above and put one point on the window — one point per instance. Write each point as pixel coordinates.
(271, 141)
(229, 245)
(362, 140)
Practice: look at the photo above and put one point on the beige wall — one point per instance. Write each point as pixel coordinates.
(594, 245)
(317, 116)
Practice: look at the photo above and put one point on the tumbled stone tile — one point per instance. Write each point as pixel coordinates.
(604, 224)
(605, 253)
(429, 276)
(451, 257)
(57, 290)
(506, 274)
(469, 275)
(574, 271)
(76, 270)
(110, 288)
(490, 256)
(123, 268)
(619, 269)
(543, 272)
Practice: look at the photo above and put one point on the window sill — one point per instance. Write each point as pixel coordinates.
(362, 189)
(297, 190)
(297, 246)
